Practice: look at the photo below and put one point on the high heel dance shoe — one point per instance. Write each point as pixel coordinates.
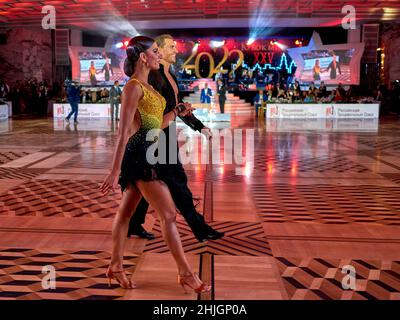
(182, 280)
(112, 275)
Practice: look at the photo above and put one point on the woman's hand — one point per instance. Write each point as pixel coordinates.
(110, 183)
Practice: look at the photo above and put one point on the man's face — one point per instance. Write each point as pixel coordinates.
(169, 51)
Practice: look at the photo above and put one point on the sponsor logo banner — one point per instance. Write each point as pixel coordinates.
(317, 111)
(84, 110)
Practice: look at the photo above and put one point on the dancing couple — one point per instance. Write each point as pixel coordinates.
(163, 186)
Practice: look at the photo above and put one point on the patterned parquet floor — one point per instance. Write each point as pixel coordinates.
(312, 204)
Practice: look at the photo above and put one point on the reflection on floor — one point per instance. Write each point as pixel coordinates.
(317, 199)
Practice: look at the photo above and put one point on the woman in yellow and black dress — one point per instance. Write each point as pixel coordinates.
(141, 113)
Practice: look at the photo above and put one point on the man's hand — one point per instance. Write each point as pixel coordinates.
(207, 132)
(187, 109)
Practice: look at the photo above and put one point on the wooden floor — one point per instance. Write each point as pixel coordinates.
(315, 202)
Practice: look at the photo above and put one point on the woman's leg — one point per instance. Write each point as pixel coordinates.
(159, 197)
(130, 199)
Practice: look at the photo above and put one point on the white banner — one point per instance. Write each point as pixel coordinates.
(101, 110)
(355, 111)
(318, 111)
(3, 111)
(299, 111)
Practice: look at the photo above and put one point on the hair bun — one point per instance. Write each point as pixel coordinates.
(129, 67)
(136, 46)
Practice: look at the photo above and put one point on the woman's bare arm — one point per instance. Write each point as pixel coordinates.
(171, 116)
(168, 117)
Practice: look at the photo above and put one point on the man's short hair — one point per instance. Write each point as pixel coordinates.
(160, 40)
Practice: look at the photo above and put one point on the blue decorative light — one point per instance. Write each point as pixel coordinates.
(289, 68)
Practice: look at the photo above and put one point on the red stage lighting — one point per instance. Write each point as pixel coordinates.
(123, 44)
(273, 42)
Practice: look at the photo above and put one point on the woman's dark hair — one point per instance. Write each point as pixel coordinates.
(136, 46)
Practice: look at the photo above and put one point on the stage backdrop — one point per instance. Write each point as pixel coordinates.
(106, 65)
(206, 57)
(333, 64)
(196, 58)
(232, 58)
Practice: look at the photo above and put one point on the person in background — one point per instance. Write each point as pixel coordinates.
(88, 94)
(334, 66)
(274, 90)
(98, 94)
(104, 95)
(221, 91)
(83, 96)
(297, 94)
(93, 94)
(338, 97)
(384, 98)
(259, 100)
(341, 89)
(312, 92)
(322, 92)
(43, 99)
(92, 74)
(4, 90)
(16, 98)
(115, 100)
(281, 92)
(33, 95)
(269, 94)
(206, 94)
(73, 96)
(317, 71)
(309, 97)
(107, 69)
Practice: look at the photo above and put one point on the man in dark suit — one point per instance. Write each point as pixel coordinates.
(107, 70)
(221, 90)
(115, 100)
(334, 66)
(173, 174)
(74, 97)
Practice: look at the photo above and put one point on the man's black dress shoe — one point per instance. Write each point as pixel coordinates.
(141, 233)
(209, 235)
